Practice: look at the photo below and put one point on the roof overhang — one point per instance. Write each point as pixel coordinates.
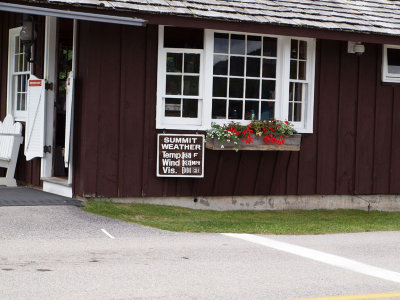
(70, 14)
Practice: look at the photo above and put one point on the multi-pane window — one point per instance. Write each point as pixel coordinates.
(207, 76)
(182, 85)
(244, 77)
(391, 63)
(298, 79)
(19, 72)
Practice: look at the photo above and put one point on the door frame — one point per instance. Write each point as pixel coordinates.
(50, 75)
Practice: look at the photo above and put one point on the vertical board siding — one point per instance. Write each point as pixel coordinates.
(86, 108)
(132, 108)
(395, 144)
(108, 121)
(366, 120)
(353, 149)
(383, 136)
(152, 186)
(328, 117)
(346, 123)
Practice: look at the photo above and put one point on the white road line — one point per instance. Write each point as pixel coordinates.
(323, 257)
(107, 234)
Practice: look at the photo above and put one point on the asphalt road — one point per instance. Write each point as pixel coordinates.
(61, 252)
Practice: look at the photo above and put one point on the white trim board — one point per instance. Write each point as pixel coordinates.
(57, 189)
(70, 14)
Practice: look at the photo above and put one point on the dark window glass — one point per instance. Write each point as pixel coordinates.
(19, 101)
(190, 108)
(251, 110)
(174, 85)
(303, 50)
(269, 46)
(268, 89)
(293, 49)
(221, 43)
(24, 81)
(269, 68)
(253, 45)
(237, 44)
(220, 64)
(298, 92)
(192, 63)
(393, 56)
(252, 88)
(253, 67)
(191, 85)
(237, 66)
(236, 87)
(23, 101)
(267, 110)
(174, 62)
(219, 87)
(20, 79)
(297, 112)
(291, 91)
(172, 107)
(293, 69)
(302, 70)
(218, 109)
(235, 109)
(177, 37)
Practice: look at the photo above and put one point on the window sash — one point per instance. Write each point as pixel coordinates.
(386, 75)
(17, 91)
(169, 121)
(244, 78)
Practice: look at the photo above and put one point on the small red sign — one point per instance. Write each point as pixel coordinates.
(35, 82)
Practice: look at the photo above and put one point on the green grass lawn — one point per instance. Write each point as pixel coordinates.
(273, 222)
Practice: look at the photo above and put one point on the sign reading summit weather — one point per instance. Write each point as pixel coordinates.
(180, 155)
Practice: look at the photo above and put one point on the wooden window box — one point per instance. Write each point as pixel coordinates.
(292, 143)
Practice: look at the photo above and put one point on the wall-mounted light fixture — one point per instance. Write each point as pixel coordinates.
(28, 37)
(355, 47)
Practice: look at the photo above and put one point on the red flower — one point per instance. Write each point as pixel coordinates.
(286, 122)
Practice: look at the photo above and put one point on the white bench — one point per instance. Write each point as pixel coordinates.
(10, 141)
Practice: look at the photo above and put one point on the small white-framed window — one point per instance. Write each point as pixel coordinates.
(180, 81)
(391, 63)
(242, 76)
(300, 103)
(19, 71)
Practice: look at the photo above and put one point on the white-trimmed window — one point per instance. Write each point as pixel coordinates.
(18, 75)
(242, 76)
(391, 63)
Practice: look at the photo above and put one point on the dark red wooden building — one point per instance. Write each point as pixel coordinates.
(140, 68)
